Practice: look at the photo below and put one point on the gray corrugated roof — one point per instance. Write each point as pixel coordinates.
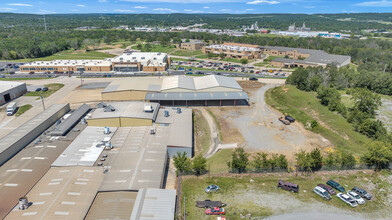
(153, 204)
(316, 56)
(168, 96)
(68, 123)
(133, 109)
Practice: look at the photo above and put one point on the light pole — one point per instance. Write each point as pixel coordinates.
(42, 99)
(81, 79)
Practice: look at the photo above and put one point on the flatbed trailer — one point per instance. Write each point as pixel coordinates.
(209, 204)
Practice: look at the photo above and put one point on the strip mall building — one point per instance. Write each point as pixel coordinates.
(129, 62)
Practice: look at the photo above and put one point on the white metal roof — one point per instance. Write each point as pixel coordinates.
(211, 81)
(70, 63)
(145, 58)
(182, 82)
(153, 204)
(85, 149)
(6, 85)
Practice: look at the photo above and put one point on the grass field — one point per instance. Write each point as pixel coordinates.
(305, 107)
(53, 87)
(202, 133)
(231, 60)
(22, 109)
(261, 198)
(157, 48)
(70, 55)
(187, 53)
(202, 56)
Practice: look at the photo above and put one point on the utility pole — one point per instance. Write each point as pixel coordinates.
(81, 79)
(45, 24)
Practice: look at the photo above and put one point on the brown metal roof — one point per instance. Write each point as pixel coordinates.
(21, 173)
(63, 193)
(112, 205)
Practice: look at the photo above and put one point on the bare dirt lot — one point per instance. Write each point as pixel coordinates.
(257, 127)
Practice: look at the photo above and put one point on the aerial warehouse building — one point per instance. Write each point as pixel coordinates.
(11, 90)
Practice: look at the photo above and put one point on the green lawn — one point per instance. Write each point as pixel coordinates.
(157, 48)
(305, 107)
(180, 59)
(22, 109)
(231, 60)
(218, 162)
(202, 56)
(53, 87)
(70, 55)
(244, 196)
(187, 53)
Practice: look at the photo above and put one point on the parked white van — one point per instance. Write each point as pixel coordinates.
(322, 192)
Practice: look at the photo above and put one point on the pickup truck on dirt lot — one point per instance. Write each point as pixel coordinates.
(209, 204)
(284, 121)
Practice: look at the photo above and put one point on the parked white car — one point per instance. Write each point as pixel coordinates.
(322, 192)
(345, 198)
(353, 195)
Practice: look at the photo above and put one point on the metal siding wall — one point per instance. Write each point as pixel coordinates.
(173, 151)
(109, 122)
(29, 137)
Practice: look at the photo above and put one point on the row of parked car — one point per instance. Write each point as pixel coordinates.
(353, 197)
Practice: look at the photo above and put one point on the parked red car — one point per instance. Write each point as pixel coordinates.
(215, 211)
(328, 188)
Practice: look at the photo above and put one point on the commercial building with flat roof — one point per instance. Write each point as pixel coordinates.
(63, 193)
(304, 57)
(178, 90)
(124, 114)
(86, 148)
(112, 205)
(128, 62)
(11, 90)
(192, 46)
(26, 133)
(154, 204)
(25, 169)
(235, 50)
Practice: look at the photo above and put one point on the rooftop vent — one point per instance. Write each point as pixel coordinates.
(23, 203)
(179, 111)
(148, 108)
(101, 105)
(109, 108)
(167, 114)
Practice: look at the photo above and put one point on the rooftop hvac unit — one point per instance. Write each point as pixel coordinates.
(167, 114)
(23, 203)
(106, 130)
(148, 108)
(101, 105)
(152, 131)
(179, 111)
(109, 108)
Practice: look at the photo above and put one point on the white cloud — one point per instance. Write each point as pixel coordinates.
(257, 2)
(140, 7)
(164, 9)
(20, 4)
(102, 1)
(225, 10)
(309, 7)
(193, 11)
(123, 10)
(7, 9)
(206, 7)
(80, 5)
(382, 3)
(250, 9)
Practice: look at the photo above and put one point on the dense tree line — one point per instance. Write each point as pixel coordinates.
(326, 22)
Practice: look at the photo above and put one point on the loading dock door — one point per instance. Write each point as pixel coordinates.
(7, 97)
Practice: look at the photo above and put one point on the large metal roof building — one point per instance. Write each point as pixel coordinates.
(11, 90)
(63, 193)
(178, 90)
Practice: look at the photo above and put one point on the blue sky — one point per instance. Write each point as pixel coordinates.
(195, 6)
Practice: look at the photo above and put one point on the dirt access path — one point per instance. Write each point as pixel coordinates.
(214, 140)
(259, 129)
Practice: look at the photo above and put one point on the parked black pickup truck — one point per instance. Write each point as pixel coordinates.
(289, 118)
(209, 204)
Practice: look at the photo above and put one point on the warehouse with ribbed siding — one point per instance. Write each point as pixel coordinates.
(178, 91)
